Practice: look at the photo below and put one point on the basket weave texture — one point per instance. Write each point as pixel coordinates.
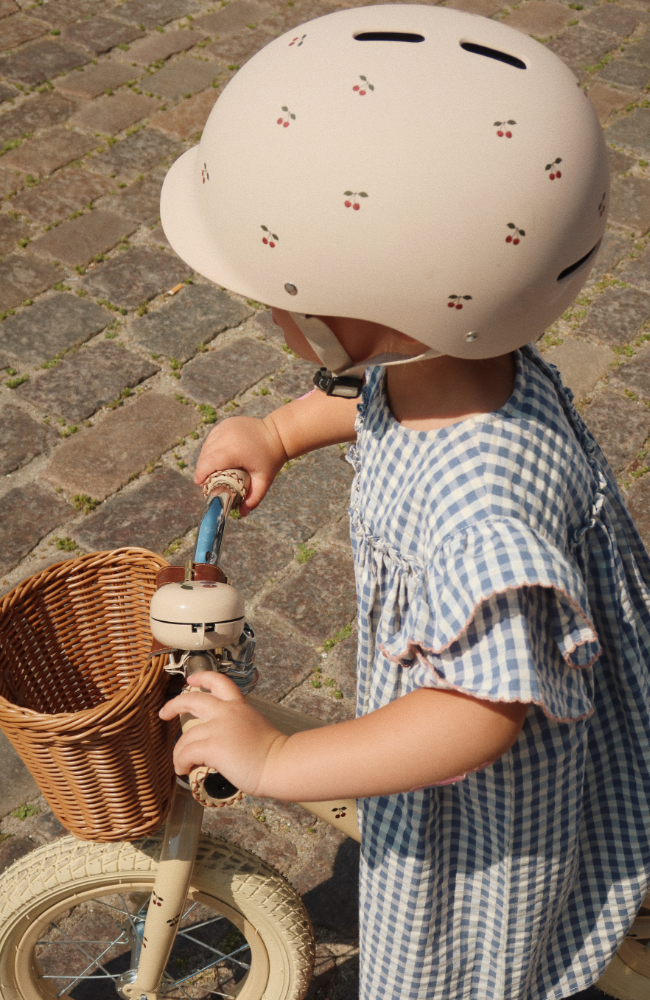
(79, 699)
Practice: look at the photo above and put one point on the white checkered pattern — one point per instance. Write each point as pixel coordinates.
(496, 556)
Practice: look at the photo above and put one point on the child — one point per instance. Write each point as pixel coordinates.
(429, 199)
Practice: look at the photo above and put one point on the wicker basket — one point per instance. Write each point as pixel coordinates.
(78, 698)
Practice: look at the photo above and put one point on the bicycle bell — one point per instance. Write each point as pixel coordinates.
(196, 615)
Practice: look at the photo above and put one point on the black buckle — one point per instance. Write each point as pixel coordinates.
(338, 385)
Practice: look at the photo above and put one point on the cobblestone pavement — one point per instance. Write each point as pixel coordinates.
(116, 360)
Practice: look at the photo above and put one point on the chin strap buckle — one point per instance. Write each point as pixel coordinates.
(338, 385)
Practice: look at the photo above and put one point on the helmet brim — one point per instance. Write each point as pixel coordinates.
(184, 223)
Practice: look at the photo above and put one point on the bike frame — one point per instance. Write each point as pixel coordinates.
(183, 827)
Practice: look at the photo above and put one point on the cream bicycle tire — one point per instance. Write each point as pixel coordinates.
(231, 881)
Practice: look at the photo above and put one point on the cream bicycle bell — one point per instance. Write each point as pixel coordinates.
(197, 615)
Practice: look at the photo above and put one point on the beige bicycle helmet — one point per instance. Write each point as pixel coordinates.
(423, 168)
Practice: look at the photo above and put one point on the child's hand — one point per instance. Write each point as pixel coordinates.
(243, 443)
(234, 739)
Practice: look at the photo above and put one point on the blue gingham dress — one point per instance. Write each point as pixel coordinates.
(496, 557)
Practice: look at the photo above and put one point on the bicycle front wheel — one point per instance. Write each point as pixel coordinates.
(72, 913)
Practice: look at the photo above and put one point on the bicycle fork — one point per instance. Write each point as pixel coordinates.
(180, 843)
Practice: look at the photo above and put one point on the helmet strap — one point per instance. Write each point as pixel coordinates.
(341, 376)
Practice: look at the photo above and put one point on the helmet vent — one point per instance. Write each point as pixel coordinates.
(483, 50)
(574, 267)
(388, 36)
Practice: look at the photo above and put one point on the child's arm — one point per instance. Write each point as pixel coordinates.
(425, 737)
(261, 447)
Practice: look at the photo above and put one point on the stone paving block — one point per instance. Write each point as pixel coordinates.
(194, 316)
(637, 270)
(8, 7)
(307, 496)
(618, 20)
(185, 76)
(283, 660)
(60, 12)
(152, 13)
(18, 29)
(110, 114)
(21, 438)
(47, 153)
(616, 316)
(189, 117)
(638, 503)
(288, 17)
(11, 230)
(96, 80)
(251, 554)
(156, 237)
(77, 242)
(540, 18)
(22, 277)
(620, 425)
(321, 598)
(613, 249)
(581, 46)
(263, 322)
(258, 408)
(618, 162)
(42, 109)
(233, 17)
(340, 533)
(581, 364)
(42, 61)
(320, 703)
(99, 34)
(136, 154)
(625, 74)
(140, 201)
(136, 276)
(52, 325)
(61, 195)
(638, 50)
(156, 47)
(296, 380)
(237, 49)
(27, 514)
(163, 506)
(13, 849)
(242, 829)
(86, 380)
(7, 93)
(484, 8)
(16, 784)
(606, 100)
(100, 460)
(334, 870)
(630, 204)
(10, 183)
(632, 131)
(634, 375)
(220, 375)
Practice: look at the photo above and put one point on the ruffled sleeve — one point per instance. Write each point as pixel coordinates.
(501, 614)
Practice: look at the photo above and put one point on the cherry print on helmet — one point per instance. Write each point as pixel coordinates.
(602, 205)
(554, 172)
(287, 117)
(363, 87)
(271, 238)
(442, 194)
(205, 176)
(354, 195)
(515, 237)
(455, 301)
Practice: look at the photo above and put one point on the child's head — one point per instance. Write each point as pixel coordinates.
(430, 171)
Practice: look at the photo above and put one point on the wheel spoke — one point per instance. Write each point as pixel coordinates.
(93, 962)
(211, 965)
(215, 951)
(205, 923)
